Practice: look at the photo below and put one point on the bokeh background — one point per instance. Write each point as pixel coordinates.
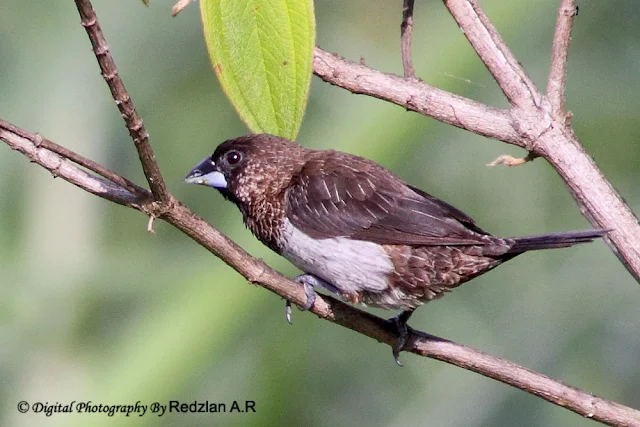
(92, 307)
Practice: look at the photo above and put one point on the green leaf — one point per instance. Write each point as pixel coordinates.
(262, 53)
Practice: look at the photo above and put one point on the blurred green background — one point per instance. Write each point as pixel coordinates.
(92, 307)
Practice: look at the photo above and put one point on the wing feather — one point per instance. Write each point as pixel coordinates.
(366, 202)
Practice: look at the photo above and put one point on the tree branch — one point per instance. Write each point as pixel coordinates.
(27, 144)
(492, 50)
(546, 135)
(585, 404)
(326, 307)
(89, 164)
(556, 82)
(405, 38)
(128, 111)
(529, 124)
(416, 96)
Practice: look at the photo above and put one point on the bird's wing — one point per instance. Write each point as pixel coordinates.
(456, 213)
(366, 202)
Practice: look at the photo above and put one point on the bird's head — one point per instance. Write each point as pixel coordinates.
(250, 168)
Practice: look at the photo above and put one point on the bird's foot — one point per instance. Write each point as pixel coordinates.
(400, 323)
(309, 282)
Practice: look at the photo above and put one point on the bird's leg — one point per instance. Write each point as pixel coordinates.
(309, 282)
(400, 322)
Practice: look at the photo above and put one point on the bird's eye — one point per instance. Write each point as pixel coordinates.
(234, 157)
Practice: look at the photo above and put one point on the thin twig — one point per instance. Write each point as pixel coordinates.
(329, 308)
(179, 6)
(406, 29)
(133, 122)
(96, 167)
(25, 143)
(556, 82)
(509, 160)
(39, 141)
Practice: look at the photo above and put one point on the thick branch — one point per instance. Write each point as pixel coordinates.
(123, 100)
(598, 200)
(557, 80)
(326, 307)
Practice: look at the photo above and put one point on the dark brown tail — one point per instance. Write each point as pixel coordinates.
(555, 240)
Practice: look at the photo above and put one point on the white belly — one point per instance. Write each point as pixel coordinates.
(352, 266)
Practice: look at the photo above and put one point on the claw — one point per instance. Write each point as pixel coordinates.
(400, 322)
(307, 282)
(287, 311)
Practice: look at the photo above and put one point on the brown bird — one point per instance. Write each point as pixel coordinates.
(355, 228)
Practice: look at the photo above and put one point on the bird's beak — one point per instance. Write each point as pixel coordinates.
(206, 173)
